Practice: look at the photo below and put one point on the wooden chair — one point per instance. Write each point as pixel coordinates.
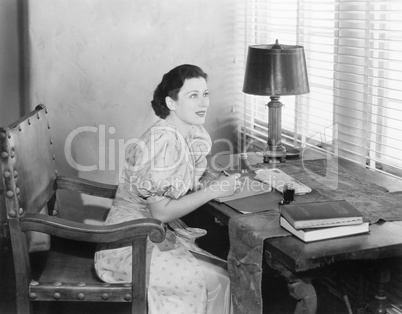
(66, 271)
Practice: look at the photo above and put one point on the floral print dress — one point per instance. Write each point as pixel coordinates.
(162, 163)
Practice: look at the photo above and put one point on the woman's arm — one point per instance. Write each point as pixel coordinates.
(169, 209)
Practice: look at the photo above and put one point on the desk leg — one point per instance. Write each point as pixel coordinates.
(301, 290)
(305, 295)
(380, 301)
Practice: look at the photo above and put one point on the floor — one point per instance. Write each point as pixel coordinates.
(276, 297)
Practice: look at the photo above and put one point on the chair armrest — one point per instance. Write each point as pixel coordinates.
(67, 229)
(86, 186)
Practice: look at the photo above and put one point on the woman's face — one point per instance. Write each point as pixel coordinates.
(192, 101)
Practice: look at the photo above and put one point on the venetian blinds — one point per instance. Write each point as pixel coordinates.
(354, 60)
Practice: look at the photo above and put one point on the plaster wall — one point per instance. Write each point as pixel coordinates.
(95, 64)
(9, 63)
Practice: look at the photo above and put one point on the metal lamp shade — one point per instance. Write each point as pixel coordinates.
(276, 70)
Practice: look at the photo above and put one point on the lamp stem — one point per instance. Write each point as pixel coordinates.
(274, 148)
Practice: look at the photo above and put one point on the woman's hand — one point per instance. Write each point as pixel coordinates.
(225, 185)
(168, 209)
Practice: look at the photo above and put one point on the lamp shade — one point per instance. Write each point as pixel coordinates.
(276, 70)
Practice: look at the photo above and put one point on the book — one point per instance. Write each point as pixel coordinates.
(321, 214)
(315, 234)
(249, 187)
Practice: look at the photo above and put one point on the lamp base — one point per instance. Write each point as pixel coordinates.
(273, 155)
(277, 156)
(292, 152)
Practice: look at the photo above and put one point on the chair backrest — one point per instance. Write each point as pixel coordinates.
(67, 272)
(26, 151)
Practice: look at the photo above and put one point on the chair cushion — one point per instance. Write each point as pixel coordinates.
(69, 261)
(72, 263)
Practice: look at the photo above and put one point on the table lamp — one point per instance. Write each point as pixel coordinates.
(275, 70)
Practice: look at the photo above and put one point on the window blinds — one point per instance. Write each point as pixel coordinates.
(354, 59)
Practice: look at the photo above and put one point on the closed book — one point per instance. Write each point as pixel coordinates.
(321, 214)
(315, 234)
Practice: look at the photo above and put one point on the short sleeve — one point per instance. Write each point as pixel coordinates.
(161, 167)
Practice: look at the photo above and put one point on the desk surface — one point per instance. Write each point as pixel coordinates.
(383, 241)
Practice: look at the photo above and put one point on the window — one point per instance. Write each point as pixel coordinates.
(354, 60)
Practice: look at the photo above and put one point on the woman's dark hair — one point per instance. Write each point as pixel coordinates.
(171, 84)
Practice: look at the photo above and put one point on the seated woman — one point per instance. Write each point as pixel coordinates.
(161, 179)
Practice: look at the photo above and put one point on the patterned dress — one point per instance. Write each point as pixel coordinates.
(163, 163)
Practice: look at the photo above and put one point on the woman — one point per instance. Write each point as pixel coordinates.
(161, 179)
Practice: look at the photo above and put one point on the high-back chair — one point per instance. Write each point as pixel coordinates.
(66, 272)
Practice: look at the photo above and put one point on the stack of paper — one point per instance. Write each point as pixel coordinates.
(278, 179)
(249, 187)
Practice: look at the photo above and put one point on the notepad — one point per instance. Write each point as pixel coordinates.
(278, 179)
(249, 187)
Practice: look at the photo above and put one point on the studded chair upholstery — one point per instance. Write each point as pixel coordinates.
(66, 271)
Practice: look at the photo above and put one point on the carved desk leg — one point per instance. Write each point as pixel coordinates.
(380, 301)
(301, 290)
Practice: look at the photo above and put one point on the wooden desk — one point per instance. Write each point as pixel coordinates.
(295, 260)
(383, 241)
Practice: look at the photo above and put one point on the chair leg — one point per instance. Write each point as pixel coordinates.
(139, 290)
(24, 306)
